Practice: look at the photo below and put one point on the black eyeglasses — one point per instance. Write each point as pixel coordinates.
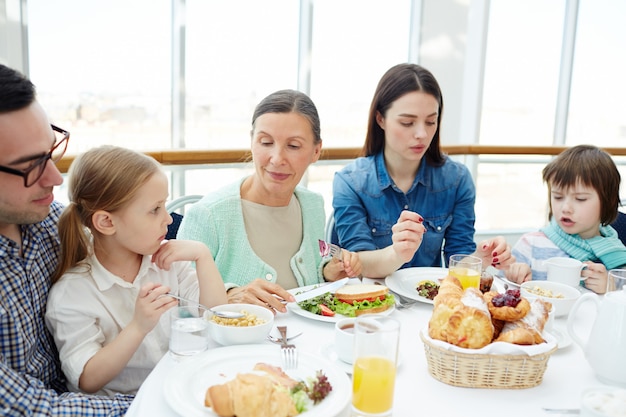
(32, 174)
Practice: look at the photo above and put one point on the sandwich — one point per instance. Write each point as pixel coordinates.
(355, 300)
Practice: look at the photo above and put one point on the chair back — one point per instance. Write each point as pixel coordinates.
(620, 226)
(174, 205)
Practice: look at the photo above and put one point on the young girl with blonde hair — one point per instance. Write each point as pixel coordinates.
(115, 270)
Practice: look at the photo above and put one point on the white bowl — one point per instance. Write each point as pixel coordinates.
(562, 306)
(241, 335)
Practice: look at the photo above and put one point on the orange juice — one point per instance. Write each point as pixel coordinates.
(468, 277)
(372, 384)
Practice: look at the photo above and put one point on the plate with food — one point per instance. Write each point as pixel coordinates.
(420, 283)
(351, 300)
(232, 379)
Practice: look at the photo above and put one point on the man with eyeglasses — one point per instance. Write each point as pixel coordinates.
(30, 373)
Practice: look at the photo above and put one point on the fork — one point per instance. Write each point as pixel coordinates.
(289, 352)
(330, 249)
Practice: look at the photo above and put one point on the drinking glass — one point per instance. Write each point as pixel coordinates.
(617, 280)
(375, 358)
(189, 331)
(467, 269)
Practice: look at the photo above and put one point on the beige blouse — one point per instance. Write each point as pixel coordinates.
(275, 234)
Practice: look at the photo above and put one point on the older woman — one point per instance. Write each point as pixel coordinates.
(263, 230)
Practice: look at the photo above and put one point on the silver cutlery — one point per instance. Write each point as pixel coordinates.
(402, 302)
(330, 249)
(573, 411)
(289, 353)
(222, 314)
(279, 340)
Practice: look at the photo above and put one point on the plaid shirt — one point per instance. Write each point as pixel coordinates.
(32, 382)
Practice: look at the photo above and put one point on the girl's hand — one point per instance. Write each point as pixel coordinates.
(151, 305)
(179, 250)
(596, 276)
(350, 266)
(518, 272)
(408, 233)
(495, 252)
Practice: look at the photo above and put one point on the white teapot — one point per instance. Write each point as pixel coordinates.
(606, 348)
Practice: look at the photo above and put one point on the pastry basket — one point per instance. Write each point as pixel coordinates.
(485, 370)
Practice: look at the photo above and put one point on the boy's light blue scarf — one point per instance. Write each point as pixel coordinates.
(606, 248)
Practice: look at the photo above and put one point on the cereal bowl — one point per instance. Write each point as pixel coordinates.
(562, 296)
(253, 328)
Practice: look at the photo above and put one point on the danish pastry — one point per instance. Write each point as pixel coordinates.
(508, 306)
(527, 330)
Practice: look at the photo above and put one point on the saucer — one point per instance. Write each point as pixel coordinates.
(328, 351)
(562, 338)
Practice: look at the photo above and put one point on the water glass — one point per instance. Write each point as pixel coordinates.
(189, 331)
(375, 358)
(467, 269)
(617, 280)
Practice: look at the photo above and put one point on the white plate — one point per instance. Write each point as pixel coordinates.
(328, 351)
(404, 281)
(186, 386)
(295, 308)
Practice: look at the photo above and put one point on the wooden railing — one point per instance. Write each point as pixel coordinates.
(199, 157)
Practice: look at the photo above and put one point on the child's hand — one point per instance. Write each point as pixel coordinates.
(350, 266)
(518, 272)
(151, 305)
(179, 250)
(596, 277)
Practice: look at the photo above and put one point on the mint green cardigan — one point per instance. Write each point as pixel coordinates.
(217, 220)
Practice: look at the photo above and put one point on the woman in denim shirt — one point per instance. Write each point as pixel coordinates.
(405, 200)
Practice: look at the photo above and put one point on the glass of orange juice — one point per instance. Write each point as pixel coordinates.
(467, 269)
(375, 357)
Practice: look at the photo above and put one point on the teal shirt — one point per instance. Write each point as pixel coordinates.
(217, 221)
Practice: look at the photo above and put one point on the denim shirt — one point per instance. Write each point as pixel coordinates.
(367, 204)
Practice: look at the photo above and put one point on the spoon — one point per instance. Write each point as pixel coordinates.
(222, 314)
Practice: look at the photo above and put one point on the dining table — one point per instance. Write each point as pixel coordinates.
(417, 392)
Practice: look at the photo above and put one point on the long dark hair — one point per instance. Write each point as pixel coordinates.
(398, 81)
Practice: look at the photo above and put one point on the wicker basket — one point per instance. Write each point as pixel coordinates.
(485, 370)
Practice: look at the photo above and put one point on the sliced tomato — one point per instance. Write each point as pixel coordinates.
(370, 299)
(326, 311)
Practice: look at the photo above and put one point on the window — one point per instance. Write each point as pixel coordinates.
(102, 69)
(238, 52)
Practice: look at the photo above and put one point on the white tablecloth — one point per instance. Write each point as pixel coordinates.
(417, 392)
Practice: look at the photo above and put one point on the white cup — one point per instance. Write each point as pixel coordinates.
(189, 331)
(564, 270)
(344, 339)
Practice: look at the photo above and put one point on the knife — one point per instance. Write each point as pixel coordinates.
(322, 289)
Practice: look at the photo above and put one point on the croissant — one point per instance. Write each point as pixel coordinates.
(250, 395)
(450, 287)
(470, 325)
(438, 324)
